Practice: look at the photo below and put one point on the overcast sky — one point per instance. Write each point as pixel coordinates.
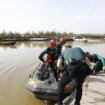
(77, 16)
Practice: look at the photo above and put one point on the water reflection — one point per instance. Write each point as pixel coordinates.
(33, 44)
(8, 46)
(45, 44)
(19, 60)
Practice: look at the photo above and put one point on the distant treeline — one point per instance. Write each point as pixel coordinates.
(50, 35)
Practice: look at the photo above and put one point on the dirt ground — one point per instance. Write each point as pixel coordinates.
(95, 94)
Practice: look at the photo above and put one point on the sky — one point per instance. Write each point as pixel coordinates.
(77, 16)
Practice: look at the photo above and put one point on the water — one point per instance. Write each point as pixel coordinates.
(17, 62)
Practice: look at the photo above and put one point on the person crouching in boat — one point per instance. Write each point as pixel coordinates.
(76, 66)
(98, 60)
(51, 57)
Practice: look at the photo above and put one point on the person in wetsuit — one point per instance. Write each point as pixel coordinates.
(51, 57)
(61, 42)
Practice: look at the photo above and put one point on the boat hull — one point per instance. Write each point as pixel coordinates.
(8, 43)
(47, 89)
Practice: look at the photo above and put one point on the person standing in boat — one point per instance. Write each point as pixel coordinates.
(98, 60)
(61, 42)
(76, 66)
(51, 57)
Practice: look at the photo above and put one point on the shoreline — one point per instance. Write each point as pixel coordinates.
(48, 39)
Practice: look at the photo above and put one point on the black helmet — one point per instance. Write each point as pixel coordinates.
(87, 54)
(90, 57)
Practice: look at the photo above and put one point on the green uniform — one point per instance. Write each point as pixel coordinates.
(101, 58)
(59, 49)
(50, 51)
(73, 70)
(72, 53)
(52, 64)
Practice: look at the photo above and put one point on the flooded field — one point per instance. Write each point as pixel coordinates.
(18, 61)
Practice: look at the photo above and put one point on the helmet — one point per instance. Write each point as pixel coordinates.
(62, 40)
(53, 43)
(87, 54)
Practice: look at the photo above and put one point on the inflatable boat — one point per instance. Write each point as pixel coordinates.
(42, 85)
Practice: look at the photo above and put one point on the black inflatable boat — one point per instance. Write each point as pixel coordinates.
(43, 87)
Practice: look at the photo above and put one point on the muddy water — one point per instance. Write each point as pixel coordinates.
(17, 62)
